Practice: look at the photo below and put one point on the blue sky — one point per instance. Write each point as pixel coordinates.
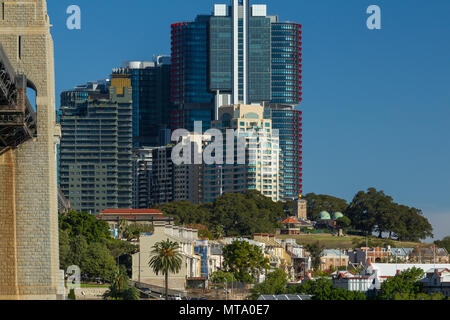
(376, 103)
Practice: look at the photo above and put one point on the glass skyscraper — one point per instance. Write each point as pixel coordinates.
(247, 57)
(150, 82)
(289, 124)
(286, 63)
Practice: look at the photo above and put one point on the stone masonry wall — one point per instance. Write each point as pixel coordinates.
(35, 195)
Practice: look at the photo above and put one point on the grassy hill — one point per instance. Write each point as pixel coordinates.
(334, 242)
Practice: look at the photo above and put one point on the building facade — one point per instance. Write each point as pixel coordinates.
(260, 150)
(162, 188)
(242, 55)
(150, 82)
(288, 122)
(190, 266)
(29, 250)
(142, 177)
(96, 168)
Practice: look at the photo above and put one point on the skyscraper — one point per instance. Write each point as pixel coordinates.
(251, 58)
(142, 177)
(150, 82)
(189, 74)
(95, 150)
(261, 150)
(288, 122)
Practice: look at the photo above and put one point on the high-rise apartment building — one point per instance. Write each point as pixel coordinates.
(150, 82)
(260, 167)
(251, 58)
(288, 122)
(142, 177)
(177, 182)
(162, 190)
(95, 150)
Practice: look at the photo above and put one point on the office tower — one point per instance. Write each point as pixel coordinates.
(142, 177)
(240, 52)
(189, 74)
(286, 63)
(259, 170)
(150, 82)
(96, 146)
(288, 121)
(252, 58)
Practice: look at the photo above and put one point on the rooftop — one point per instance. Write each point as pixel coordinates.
(130, 211)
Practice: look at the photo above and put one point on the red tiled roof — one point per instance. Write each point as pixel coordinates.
(131, 211)
(291, 220)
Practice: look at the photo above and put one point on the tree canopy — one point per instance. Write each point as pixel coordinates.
(444, 243)
(244, 261)
(87, 243)
(315, 250)
(374, 211)
(275, 283)
(323, 289)
(405, 286)
(237, 214)
(322, 202)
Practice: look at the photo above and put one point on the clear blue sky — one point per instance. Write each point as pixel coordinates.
(376, 103)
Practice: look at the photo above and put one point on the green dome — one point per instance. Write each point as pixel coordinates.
(324, 216)
(337, 215)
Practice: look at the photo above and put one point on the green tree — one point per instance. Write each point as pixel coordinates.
(237, 214)
(315, 250)
(122, 252)
(98, 262)
(274, 284)
(185, 212)
(444, 243)
(119, 288)
(65, 251)
(244, 261)
(412, 225)
(323, 289)
(221, 277)
(84, 224)
(165, 258)
(374, 211)
(404, 286)
(369, 209)
(134, 230)
(219, 232)
(343, 223)
(78, 252)
(317, 203)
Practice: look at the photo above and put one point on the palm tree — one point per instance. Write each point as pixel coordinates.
(166, 257)
(219, 231)
(120, 289)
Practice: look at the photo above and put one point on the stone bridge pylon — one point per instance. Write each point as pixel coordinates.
(29, 253)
